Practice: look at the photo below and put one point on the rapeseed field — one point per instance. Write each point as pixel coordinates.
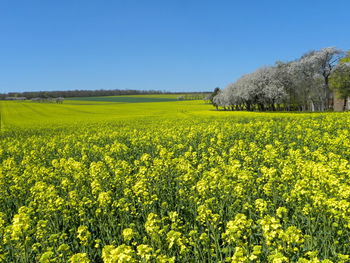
(172, 182)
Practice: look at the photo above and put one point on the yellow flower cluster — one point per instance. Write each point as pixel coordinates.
(255, 188)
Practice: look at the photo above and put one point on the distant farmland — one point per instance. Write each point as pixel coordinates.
(129, 99)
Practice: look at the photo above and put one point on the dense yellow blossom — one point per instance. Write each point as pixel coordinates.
(207, 187)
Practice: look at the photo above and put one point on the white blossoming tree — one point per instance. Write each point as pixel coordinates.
(302, 84)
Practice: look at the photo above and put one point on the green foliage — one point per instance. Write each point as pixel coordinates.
(346, 58)
(212, 95)
(172, 182)
(340, 79)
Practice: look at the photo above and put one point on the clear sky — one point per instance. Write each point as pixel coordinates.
(172, 45)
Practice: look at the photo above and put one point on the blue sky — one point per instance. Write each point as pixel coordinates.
(172, 45)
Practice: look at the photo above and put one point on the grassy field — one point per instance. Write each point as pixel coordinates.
(93, 181)
(131, 98)
(29, 115)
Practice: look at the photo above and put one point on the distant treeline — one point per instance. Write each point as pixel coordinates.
(89, 93)
(317, 81)
(77, 93)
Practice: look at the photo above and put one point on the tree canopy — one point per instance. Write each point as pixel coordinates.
(302, 84)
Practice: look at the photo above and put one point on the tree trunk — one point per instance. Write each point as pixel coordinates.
(344, 105)
(273, 107)
(328, 94)
(312, 104)
(248, 106)
(261, 107)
